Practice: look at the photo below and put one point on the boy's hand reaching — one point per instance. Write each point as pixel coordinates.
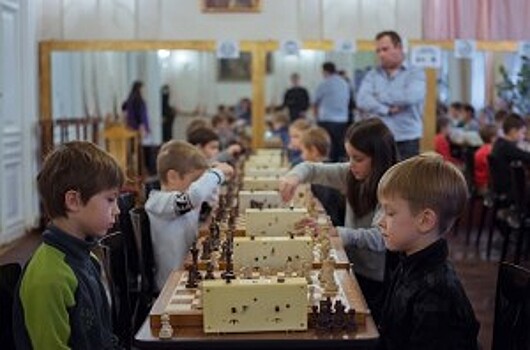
(227, 169)
(287, 187)
(234, 149)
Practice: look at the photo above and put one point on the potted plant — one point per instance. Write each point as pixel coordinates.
(516, 93)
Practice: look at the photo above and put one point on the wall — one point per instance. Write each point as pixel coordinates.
(183, 20)
(18, 102)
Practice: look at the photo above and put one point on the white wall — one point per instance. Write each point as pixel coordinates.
(183, 20)
(18, 102)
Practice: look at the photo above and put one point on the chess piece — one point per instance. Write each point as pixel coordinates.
(324, 320)
(339, 316)
(306, 271)
(325, 247)
(192, 277)
(228, 274)
(313, 316)
(206, 246)
(209, 271)
(289, 270)
(351, 325)
(166, 331)
(328, 277)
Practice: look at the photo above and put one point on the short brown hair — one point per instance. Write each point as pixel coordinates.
(427, 181)
(317, 137)
(181, 157)
(80, 166)
(394, 37)
(488, 132)
(201, 136)
(196, 123)
(513, 121)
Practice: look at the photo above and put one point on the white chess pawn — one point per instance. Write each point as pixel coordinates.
(166, 331)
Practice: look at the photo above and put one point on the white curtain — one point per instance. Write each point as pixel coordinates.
(191, 76)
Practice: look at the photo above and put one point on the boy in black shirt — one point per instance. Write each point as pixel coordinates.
(425, 305)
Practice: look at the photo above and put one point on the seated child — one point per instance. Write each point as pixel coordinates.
(506, 150)
(60, 300)
(296, 129)
(315, 145)
(280, 121)
(223, 126)
(469, 121)
(208, 142)
(488, 133)
(442, 145)
(425, 305)
(186, 182)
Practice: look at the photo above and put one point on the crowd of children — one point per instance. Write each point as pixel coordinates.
(380, 209)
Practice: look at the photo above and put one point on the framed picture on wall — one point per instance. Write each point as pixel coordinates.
(223, 6)
(238, 69)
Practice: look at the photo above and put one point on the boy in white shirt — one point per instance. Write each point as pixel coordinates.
(186, 182)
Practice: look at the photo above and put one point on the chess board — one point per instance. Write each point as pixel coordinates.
(184, 307)
(336, 252)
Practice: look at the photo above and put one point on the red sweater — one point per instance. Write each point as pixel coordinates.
(441, 146)
(481, 166)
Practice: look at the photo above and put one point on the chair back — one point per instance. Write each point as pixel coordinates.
(127, 201)
(496, 172)
(9, 276)
(519, 190)
(115, 264)
(511, 328)
(144, 246)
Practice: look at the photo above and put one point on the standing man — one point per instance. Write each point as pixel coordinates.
(296, 99)
(395, 93)
(331, 108)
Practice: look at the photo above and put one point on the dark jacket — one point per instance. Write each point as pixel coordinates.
(425, 305)
(60, 300)
(505, 152)
(296, 99)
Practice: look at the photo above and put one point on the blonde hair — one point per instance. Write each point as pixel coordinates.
(427, 181)
(280, 118)
(181, 157)
(317, 137)
(300, 124)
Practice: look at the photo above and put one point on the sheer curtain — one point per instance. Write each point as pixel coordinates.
(476, 19)
(191, 76)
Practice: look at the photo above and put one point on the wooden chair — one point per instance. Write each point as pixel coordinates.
(495, 203)
(511, 327)
(518, 218)
(9, 276)
(124, 144)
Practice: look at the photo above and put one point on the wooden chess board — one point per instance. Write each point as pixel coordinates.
(184, 307)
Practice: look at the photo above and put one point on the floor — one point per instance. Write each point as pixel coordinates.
(477, 273)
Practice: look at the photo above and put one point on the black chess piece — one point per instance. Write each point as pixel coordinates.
(339, 316)
(195, 258)
(229, 274)
(324, 320)
(192, 278)
(313, 318)
(206, 246)
(351, 325)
